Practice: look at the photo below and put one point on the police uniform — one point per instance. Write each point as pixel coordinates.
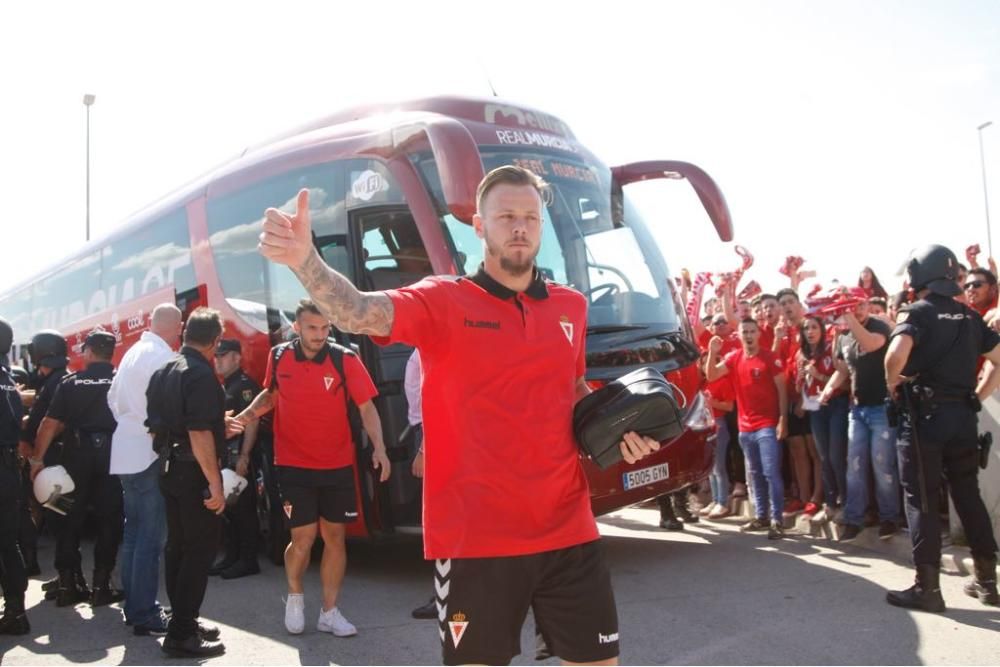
(12, 573)
(241, 528)
(938, 434)
(80, 404)
(184, 395)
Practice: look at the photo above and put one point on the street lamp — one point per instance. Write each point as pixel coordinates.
(87, 101)
(986, 196)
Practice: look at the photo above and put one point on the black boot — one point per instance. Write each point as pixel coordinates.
(66, 593)
(668, 520)
(427, 611)
(103, 593)
(924, 594)
(227, 562)
(82, 589)
(14, 623)
(681, 510)
(984, 584)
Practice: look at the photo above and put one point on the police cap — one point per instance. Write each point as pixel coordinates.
(48, 348)
(228, 345)
(6, 336)
(100, 342)
(935, 268)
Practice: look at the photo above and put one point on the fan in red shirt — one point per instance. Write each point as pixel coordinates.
(981, 291)
(506, 503)
(719, 326)
(759, 384)
(770, 314)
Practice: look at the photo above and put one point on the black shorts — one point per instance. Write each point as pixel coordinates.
(483, 602)
(307, 495)
(799, 426)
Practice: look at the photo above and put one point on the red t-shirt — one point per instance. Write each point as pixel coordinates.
(753, 383)
(729, 343)
(311, 428)
(721, 390)
(766, 337)
(824, 365)
(502, 472)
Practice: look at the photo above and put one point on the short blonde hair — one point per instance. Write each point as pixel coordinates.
(510, 175)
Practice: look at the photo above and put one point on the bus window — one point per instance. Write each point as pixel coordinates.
(154, 256)
(67, 295)
(250, 283)
(394, 253)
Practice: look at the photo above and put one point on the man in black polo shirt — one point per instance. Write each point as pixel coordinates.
(187, 416)
(80, 408)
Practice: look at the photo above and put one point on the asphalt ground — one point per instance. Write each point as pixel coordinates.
(708, 595)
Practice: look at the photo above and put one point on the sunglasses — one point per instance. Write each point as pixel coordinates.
(975, 284)
(719, 323)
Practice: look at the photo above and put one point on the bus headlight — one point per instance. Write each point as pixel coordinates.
(700, 417)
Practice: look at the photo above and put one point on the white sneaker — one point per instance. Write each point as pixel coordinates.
(333, 621)
(707, 509)
(295, 613)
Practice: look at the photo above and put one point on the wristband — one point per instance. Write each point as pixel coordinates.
(35, 462)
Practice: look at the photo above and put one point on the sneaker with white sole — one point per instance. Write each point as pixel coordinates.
(707, 509)
(295, 613)
(333, 621)
(720, 511)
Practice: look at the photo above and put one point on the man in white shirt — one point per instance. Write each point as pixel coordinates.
(135, 463)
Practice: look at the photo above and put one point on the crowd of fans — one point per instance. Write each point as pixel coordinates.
(833, 455)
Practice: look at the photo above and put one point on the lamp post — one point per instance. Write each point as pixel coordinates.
(986, 196)
(87, 101)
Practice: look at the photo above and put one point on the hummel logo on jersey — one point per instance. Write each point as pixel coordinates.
(607, 639)
(482, 324)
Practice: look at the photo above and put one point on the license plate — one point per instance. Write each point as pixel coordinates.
(643, 476)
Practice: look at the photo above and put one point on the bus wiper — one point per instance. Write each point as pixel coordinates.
(613, 328)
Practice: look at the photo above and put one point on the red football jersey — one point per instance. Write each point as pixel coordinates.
(502, 470)
(753, 383)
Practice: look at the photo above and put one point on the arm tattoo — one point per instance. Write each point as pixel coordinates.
(342, 303)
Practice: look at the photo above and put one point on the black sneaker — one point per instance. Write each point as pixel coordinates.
(14, 624)
(754, 525)
(849, 533)
(887, 529)
(775, 531)
(241, 568)
(671, 524)
(156, 626)
(192, 647)
(428, 611)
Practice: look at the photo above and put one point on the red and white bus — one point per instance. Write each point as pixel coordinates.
(392, 191)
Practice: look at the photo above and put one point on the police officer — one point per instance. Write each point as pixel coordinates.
(186, 413)
(931, 369)
(241, 518)
(80, 407)
(48, 357)
(12, 574)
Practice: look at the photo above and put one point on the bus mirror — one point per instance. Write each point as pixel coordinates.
(455, 154)
(708, 192)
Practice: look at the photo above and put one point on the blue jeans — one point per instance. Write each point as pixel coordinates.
(763, 457)
(829, 428)
(719, 477)
(142, 544)
(871, 445)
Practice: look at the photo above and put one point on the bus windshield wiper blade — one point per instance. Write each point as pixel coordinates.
(613, 328)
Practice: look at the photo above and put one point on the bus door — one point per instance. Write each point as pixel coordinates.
(389, 253)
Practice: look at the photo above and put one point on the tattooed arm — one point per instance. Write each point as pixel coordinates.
(287, 239)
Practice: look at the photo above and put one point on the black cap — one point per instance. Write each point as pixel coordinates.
(100, 342)
(228, 345)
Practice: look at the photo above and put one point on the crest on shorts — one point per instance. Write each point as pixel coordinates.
(287, 506)
(247, 395)
(458, 626)
(567, 328)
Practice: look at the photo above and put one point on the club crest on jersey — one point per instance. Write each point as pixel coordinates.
(287, 507)
(567, 327)
(458, 626)
(328, 381)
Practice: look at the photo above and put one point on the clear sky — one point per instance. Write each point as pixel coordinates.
(843, 132)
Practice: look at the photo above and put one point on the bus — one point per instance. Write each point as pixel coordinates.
(392, 194)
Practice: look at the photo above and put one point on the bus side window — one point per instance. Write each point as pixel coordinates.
(394, 254)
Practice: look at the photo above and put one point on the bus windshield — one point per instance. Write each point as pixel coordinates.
(593, 240)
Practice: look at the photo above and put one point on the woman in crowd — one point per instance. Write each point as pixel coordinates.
(868, 281)
(722, 400)
(814, 366)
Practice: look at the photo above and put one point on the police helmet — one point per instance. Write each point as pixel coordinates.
(6, 337)
(48, 348)
(935, 268)
(232, 485)
(52, 488)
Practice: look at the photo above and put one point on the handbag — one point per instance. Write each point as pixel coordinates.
(641, 401)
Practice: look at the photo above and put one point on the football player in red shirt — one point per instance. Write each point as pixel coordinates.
(509, 452)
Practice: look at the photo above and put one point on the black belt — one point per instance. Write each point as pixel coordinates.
(181, 452)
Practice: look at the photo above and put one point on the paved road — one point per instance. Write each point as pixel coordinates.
(707, 596)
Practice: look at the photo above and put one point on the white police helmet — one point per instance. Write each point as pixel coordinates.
(52, 488)
(232, 485)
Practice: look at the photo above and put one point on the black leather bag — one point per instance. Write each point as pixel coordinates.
(641, 401)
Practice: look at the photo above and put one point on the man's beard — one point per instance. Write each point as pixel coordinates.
(508, 264)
